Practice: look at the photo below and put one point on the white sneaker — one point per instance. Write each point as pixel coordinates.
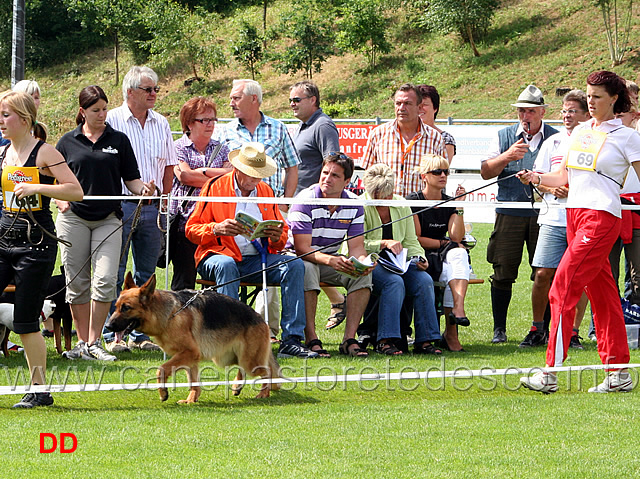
(616, 381)
(542, 381)
(79, 351)
(117, 347)
(97, 351)
(145, 345)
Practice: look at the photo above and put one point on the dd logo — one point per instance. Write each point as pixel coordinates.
(66, 446)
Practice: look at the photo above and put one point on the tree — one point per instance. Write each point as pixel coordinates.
(309, 39)
(470, 18)
(616, 16)
(180, 35)
(247, 50)
(363, 28)
(121, 20)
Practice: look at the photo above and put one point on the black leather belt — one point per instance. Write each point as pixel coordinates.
(154, 201)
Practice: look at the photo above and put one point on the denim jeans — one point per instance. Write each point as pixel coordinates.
(392, 289)
(145, 248)
(289, 276)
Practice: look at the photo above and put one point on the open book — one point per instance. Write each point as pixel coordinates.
(254, 228)
(396, 263)
(361, 266)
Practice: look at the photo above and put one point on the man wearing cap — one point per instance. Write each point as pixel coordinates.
(224, 254)
(513, 149)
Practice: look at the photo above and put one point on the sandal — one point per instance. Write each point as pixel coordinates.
(356, 352)
(426, 348)
(388, 349)
(460, 321)
(322, 353)
(445, 345)
(338, 316)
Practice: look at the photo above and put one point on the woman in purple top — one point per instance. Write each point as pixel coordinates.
(201, 158)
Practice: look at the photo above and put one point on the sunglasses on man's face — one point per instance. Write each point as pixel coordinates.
(439, 171)
(149, 89)
(297, 99)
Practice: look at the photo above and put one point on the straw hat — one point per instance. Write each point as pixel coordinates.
(251, 159)
(530, 97)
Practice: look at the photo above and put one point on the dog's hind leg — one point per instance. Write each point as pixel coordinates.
(56, 335)
(236, 389)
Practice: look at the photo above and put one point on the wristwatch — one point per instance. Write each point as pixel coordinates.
(459, 212)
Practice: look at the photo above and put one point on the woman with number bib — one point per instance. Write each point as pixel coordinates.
(596, 165)
(32, 173)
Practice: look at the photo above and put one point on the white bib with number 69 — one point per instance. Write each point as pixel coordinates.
(584, 149)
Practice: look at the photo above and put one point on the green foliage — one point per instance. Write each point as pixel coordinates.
(469, 18)
(363, 29)
(182, 36)
(341, 109)
(308, 36)
(616, 16)
(247, 49)
(51, 34)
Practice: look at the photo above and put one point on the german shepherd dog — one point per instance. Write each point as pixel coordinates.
(213, 326)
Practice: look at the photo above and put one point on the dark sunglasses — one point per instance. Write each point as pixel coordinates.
(339, 154)
(149, 89)
(205, 121)
(297, 99)
(439, 171)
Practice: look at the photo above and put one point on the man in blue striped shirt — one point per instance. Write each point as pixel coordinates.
(317, 226)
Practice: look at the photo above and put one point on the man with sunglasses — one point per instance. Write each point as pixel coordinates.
(513, 149)
(150, 137)
(316, 136)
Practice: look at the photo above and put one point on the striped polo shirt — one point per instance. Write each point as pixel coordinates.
(324, 227)
(152, 145)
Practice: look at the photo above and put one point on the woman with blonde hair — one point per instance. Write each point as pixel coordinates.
(440, 232)
(33, 172)
(379, 181)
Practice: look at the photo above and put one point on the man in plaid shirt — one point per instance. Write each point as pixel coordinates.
(401, 143)
(251, 125)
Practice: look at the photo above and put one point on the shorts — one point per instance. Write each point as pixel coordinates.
(552, 243)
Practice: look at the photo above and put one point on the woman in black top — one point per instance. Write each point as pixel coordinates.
(432, 227)
(27, 252)
(101, 158)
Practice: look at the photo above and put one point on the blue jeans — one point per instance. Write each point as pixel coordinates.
(392, 289)
(289, 276)
(145, 247)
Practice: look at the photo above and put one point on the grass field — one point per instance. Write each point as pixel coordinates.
(445, 428)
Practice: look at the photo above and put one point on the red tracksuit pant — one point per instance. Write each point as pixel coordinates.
(585, 267)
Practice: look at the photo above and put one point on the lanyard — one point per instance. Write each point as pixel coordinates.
(405, 153)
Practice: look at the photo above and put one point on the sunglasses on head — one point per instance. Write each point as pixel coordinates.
(339, 154)
(297, 99)
(149, 89)
(439, 171)
(205, 121)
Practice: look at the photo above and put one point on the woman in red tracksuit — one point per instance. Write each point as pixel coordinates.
(597, 162)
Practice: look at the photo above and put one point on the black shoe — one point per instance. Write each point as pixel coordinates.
(295, 350)
(575, 342)
(534, 338)
(30, 400)
(499, 336)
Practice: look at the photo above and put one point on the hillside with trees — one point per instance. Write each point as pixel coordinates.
(478, 53)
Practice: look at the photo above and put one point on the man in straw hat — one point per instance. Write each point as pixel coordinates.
(224, 254)
(513, 149)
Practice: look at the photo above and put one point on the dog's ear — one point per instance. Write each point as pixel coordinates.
(128, 281)
(148, 288)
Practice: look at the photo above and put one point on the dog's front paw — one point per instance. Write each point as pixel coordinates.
(164, 394)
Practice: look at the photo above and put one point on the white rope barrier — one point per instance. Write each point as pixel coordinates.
(458, 373)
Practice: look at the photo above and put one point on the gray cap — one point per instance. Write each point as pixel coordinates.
(530, 97)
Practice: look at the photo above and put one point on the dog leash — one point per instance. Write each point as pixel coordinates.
(336, 243)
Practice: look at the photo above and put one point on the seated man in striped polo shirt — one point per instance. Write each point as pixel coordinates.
(317, 226)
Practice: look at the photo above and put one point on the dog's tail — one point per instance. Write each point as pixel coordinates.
(276, 372)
